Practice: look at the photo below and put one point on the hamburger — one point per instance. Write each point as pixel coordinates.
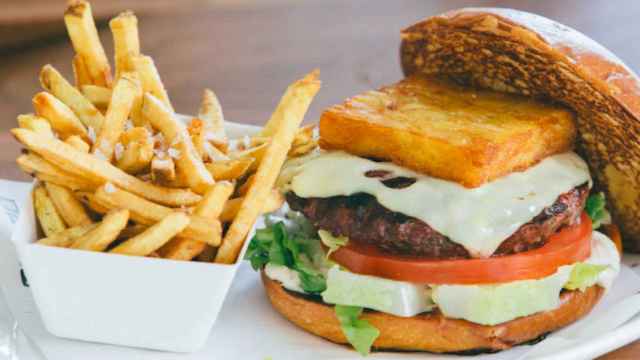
(461, 209)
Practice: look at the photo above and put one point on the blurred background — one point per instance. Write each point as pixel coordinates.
(247, 51)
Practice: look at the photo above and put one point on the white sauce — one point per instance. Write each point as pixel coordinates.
(478, 218)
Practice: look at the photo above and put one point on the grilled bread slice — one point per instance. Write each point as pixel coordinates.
(447, 131)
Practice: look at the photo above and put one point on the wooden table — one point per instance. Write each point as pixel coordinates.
(249, 52)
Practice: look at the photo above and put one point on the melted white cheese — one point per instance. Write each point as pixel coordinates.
(478, 218)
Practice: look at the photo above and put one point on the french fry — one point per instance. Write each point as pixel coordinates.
(48, 217)
(303, 149)
(124, 94)
(256, 153)
(106, 232)
(188, 164)
(229, 169)
(154, 237)
(210, 207)
(98, 95)
(86, 43)
(211, 113)
(78, 143)
(80, 72)
(135, 158)
(208, 254)
(150, 79)
(304, 135)
(66, 237)
(45, 171)
(95, 170)
(69, 207)
(52, 81)
(126, 43)
(147, 213)
(272, 202)
(61, 118)
(35, 123)
(282, 127)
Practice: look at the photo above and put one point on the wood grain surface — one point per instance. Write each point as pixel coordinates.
(249, 51)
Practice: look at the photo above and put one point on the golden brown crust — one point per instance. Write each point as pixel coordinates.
(427, 124)
(518, 52)
(432, 331)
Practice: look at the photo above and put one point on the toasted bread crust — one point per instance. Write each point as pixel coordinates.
(448, 131)
(432, 331)
(518, 52)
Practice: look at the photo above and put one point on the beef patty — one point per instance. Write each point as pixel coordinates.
(362, 219)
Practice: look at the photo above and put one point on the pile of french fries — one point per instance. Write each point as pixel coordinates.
(120, 172)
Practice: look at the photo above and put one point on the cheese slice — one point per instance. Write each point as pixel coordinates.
(479, 219)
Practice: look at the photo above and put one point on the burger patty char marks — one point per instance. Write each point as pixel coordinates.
(362, 219)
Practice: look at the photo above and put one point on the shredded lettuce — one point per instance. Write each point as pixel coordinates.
(360, 333)
(332, 242)
(583, 275)
(279, 246)
(595, 208)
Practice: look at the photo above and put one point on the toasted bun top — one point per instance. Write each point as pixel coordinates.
(518, 52)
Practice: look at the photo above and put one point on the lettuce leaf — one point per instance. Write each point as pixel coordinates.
(583, 275)
(332, 242)
(360, 333)
(595, 208)
(276, 245)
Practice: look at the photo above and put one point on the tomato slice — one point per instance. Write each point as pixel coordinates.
(570, 245)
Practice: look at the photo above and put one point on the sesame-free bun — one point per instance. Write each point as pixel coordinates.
(518, 52)
(432, 331)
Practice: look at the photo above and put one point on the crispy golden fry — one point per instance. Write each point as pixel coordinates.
(66, 237)
(45, 171)
(203, 143)
(95, 170)
(35, 123)
(77, 142)
(282, 126)
(62, 119)
(163, 170)
(304, 135)
(48, 217)
(154, 237)
(188, 164)
(69, 207)
(124, 94)
(256, 153)
(80, 72)
(52, 81)
(273, 202)
(247, 143)
(210, 207)
(212, 203)
(454, 133)
(126, 43)
(98, 95)
(211, 113)
(151, 82)
(137, 152)
(86, 43)
(303, 149)
(99, 238)
(229, 169)
(136, 158)
(147, 213)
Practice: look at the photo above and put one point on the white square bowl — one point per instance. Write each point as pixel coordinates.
(123, 300)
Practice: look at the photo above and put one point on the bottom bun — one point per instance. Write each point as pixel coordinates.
(432, 331)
